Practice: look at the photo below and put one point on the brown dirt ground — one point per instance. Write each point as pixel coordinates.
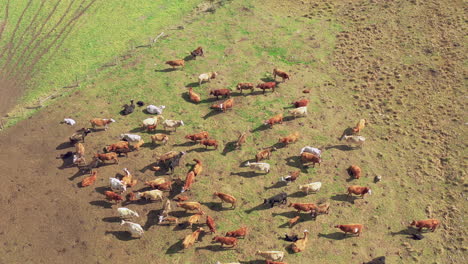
(47, 218)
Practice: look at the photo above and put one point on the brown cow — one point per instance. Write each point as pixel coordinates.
(221, 92)
(241, 140)
(198, 136)
(354, 171)
(307, 157)
(267, 85)
(229, 103)
(194, 97)
(107, 156)
(306, 207)
(226, 240)
(281, 74)
(359, 190)
(431, 224)
(209, 142)
(264, 154)
(277, 119)
(245, 86)
(241, 232)
(176, 63)
(300, 103)
(353, 229)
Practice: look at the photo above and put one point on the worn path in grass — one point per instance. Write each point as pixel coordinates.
(359, 60)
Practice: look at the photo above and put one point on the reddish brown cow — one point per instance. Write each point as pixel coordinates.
(277, 119)
(306, 207)
(307, 157)
(198, 136)
(189, 180)
(245, 86)
(431, 224)
(118, 145)
(211, 224)
(209, 142)
(107, 156)
(359, 190)
(229, 103)
(353, 229)
(300, 103)
(241, 232)
(267, 85)
(221, 92)
(280, 73)
(176, 63)
(354, 171)
(112, 196)
(230, 241)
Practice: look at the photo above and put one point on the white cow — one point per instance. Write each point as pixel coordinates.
(354, 140)
(68, 121)
(126, 213)
(117, 185)
(262, 166)
(312, 150)
(130, 137)
(152, 109)
(206, 77)
(271, 255)
(133, 228)
(172, 124)
(152, 120)
(300, 111)
(314, 187)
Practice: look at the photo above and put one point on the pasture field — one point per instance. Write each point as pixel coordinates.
(398, 64)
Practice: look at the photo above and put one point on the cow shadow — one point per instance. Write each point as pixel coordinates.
(297, 194)
(214, 248)
(175, 248)
(378, 260)
(102, 189)
(166, 70)
(186, 144)
(247, 174)
(335, 236)
(261, 128)
(228, 147)
(212, 113)
(209, 100)
(189, 58)
(290, 118)
(295, 161)
(347, 132)
(151, 219)
(113, 219)
(122, 235)
(137, 129)
(344, 198)
(200, 150)
(215, 206)
(406, 232)
(194, 84)
(259, 207)
(253, 262)
(101, 203)
(268, 79)
(342, 147)
(182, 213)
(64, 145)
(290, 214)
(76, 175)
(278, 184)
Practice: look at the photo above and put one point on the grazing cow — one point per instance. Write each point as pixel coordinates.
(68, 121)
(230, 241)
(221, 92)
(211, 224)
(353, 229)
(198, 167)
(130, 137)
(300, 103)
(261, 166)
(189, 180)
(133, 228)
(264, 154)
(99, 122)
(300, 244)
(166, 186)
(267, 85)
(197, 52)
(279, 198)
(118, 145)
(293, 221)
(172, 124)
(431, 224)
(79, 135)
(281, 74)
(359, 126)
(126, 213)
(195, 218)
(271, 255)
(90, 179)
(175, 63)
(291, 177)
(300, 111)
(152, 195)
(189, 240)
(209, 142)
(354, 140)
(156, 182)
(226, 198)
(277, 119)
(112, 196)
(307, 157)
(320, 209)
(354, 171)
(312, 150)
(314, 187)
(306, 207)
(359, 190)
(168, 220)
(241, 232)
(198, 136)
(245, 86)
(190, 206)
(194, 97)
(79, 149)
(117, 185)
(241, 140)
(206, 77)
(155, 110)
(291, 138)
(228, 104)
(163, 138)
(128, 109)
(128, 180)
(107, 156)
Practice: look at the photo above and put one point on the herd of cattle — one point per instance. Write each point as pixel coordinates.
(170, 160)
